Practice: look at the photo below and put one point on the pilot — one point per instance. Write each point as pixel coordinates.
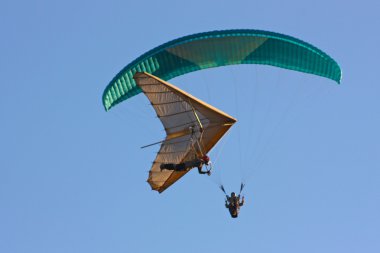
(188, 165)
(233, 204)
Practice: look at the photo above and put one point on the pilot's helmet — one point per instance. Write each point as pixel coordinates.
(206, 158)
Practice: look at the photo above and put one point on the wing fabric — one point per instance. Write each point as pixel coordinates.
(221, 48)
(192, 127)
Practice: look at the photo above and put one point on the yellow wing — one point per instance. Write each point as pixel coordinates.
(192, 126)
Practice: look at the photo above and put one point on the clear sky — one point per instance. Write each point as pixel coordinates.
(72, 177)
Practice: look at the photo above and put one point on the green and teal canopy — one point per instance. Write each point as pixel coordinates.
(221, 48)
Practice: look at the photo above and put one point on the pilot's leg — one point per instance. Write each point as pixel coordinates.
(168, 166)
(173, 166)
(180, 167)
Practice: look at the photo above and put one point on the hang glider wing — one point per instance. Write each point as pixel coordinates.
(192, 126)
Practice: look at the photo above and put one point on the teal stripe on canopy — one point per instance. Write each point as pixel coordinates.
(221, 48)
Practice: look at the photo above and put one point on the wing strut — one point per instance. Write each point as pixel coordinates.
(200, 130)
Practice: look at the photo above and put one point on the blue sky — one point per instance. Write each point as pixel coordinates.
(72, 177)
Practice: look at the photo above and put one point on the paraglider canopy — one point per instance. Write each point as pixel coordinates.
(220, 48)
